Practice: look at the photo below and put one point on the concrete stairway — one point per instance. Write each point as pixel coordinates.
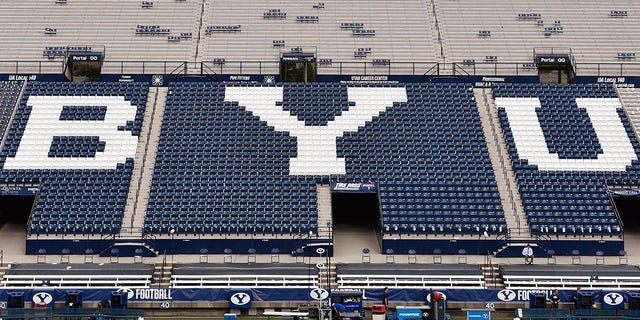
(9, 114)
(432, 10)
(3, 269)
(630, 99)
(501, 162)
(203, 16)
(162, 278)
(330, 280)
(324, 210)
(138, 197)
(492, 277)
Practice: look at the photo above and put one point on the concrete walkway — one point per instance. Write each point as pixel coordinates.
(349, 241)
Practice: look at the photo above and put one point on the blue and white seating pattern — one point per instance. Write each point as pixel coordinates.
(232, 159)
(567, 144)
(77, 142)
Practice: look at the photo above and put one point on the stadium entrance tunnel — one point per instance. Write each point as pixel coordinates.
(83, 66)
(298, 66)
(15, 209)
(555, 67)
(355, 214)
(627, 207)
(355, 209)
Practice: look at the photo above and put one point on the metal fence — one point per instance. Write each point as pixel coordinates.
(324, 68)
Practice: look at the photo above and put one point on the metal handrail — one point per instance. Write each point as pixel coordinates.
(502, 164)
(624, 109)
(478, 68)
(144, 157)
(615, 210)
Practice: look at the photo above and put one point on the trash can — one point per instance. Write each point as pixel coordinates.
(378, 312)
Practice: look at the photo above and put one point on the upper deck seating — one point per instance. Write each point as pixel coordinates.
(517, 28)
(119, 30)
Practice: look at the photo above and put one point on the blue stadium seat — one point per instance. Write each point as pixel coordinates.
(75, 201)
(572, 201)
(233, 168)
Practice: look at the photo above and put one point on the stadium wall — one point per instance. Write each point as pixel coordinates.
(417, 296)
(483, 247)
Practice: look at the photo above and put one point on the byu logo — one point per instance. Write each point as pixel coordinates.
(617, 151)
(319, 294)
(613, 298)
(240, 298)
(506, 295)
(130, 292)
(42, 298)
(44, 124)
(317, 153)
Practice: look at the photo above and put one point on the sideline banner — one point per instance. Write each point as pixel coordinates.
(612, 298)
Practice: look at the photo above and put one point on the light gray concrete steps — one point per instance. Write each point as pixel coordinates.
(630, 99)
(127, 219)
(324, 210)
(501, 163)
(138, 197)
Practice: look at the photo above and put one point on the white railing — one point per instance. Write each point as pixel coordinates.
(410, 281)
(77, 281)
(233, 281)
(586, 282)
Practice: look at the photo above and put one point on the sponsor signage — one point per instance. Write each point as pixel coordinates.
(244, 297)
(553, 59)
(623, 192)
(298, 57)
(18, 191)
(483, 314)
(32, 77)
(354, 187)
(85, 57)
(408, 313)
(624, 81)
